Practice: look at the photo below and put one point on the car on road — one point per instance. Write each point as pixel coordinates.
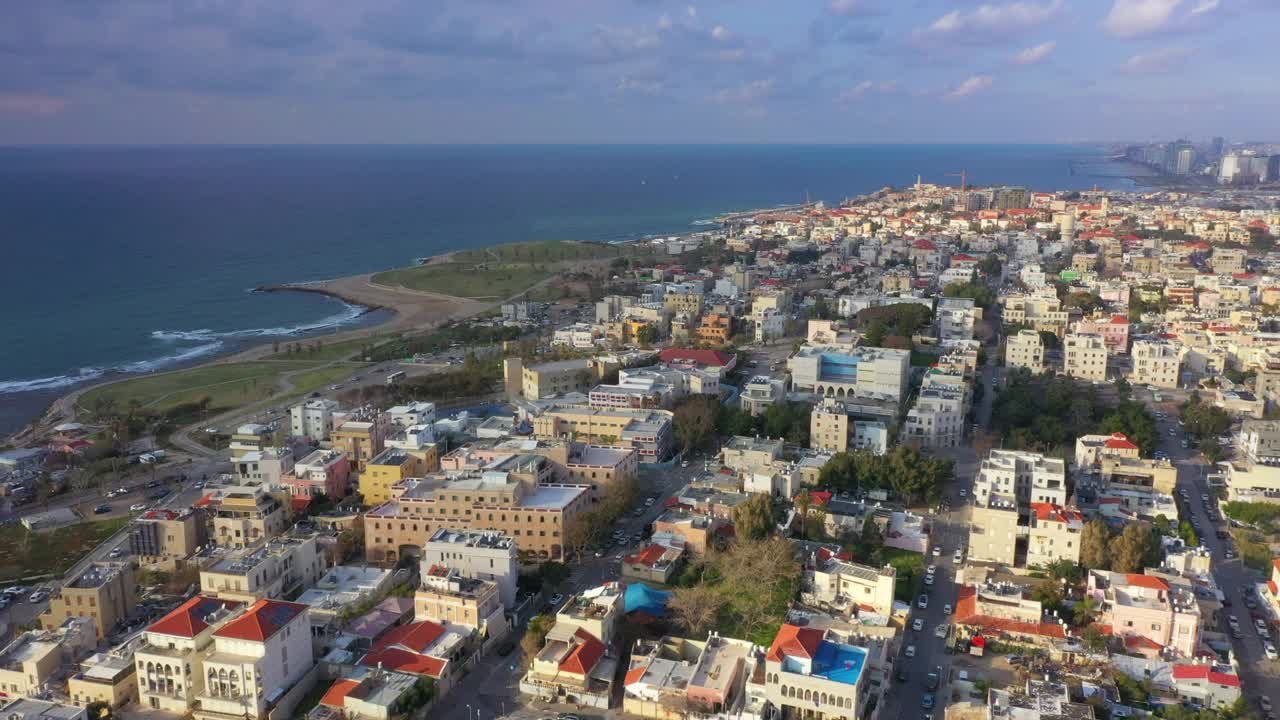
(923, 602)
(116, 552)
(684, 463)
(917, 624)
(937, 551)
(946, 609)
(926, 702)
(941, 630)
(957, 557)
(102, 509)
(137, 507)
(556, 600)
(1235, 633)
(964, 492)
(911, 651)
(931, 569)
(1230, 554)
(39, 596)
(933, 679)
(928, 579)
(1264, 702)
(1270, 650)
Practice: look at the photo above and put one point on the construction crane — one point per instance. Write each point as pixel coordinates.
(963, 179)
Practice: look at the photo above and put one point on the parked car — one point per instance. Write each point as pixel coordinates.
(911, 651)
(39, 596)
(917, 624)
(102, 509)
(923, 602)
(556, 600)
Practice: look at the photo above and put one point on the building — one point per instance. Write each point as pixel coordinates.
(31, 709)
(955, 318)
(1156, 363)
(322, 472)
(1206, 684)
(1114, 330)
(279, 568)
(575, 662)
(1039, 311)
(1025, 349)
(866, 372)
(104, 591)
(1026, 477)
(247, 515)
(575, 463)
(419, 412)
(248, 438)
(648, 432)
(257, 659)
(107, 677)
(1150, 615)
(360, 440)
(1137, 475)
(264, 467)
(1092, 449)
(170, 671)
(29, 663)
(537, 517)
(1085, 357)
(162, 535)
(313, 418)
(851, 587)
(937, 419)
(545, 380)
(447, 596)
(654, 563)
(715, 329)
(1228, 261)
(388, 469)
(809, 675)
(833, 428)
(677, 677)
(1053, 535)
(994, 529)
(479, 555)
(759, 393)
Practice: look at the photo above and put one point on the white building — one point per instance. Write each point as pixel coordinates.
(312, 418)
(415, 413)
(257, 658)
(479, 555)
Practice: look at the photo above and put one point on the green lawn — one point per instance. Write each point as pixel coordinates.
(547, 251)
(39, 553)
(226, 385)
(495, 281)
(305, 382)
(344, 350)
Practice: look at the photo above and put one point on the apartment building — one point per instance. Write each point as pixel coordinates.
(321, 472)
(955, 318)
(107, 677)
(569, 462)
(250, 437)
(865, 372)
(388, 469)
(29, 663)
(937, 419)
(1025, 477)
(994, 529)
(678, 677)
(1092, 449)
(448, 597)
(1039, 311)
(360, 439)
(1085, 357)
(715, 329)
(1053, 535)
(1025, 349)
(1152, 616)
(853, 588)
(1228, 261)
(1138, 475)
(279, 568)
(161, 535)
(257, 658)
(833, 428)
(313, 418)
(544, 380)
(479, 555)
(104, 591)
(760, 393)
(687, 303)
(1156, 363)
(649, 432)
(170, 661)
(1114, 330)
(264, 467)
(418, 412)
(536, 517)
(247, 515)
(811, 674)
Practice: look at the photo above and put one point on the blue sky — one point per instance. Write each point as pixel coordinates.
(642, 71)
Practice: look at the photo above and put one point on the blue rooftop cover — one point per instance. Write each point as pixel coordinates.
(839, 662)
(641, 597)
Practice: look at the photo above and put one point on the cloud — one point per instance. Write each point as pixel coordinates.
(642, 86)
(975, 84)
(1131, 18)
(866, 87)
(1157, 61)
(991, 21)
(1033, 55)
(748, 93)
(1205, 7)
(853, 8)
(31, 105)
(721, 32)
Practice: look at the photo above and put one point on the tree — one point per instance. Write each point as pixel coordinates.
(1094, 540)
(1137, 547)
(874, 335)
(696, 608)
(1050, 340)
(1085, 610)
(1067, 570)
(1188, 533)
(1094, 639)
(803, 504)
(647, 335)
(980, 292)
(695, 420)
(1049, 594)
(535, 634)
(1163, 526)
(753, 517)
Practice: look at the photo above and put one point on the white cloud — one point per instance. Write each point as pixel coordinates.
(852, 8)
(975, 84)
(748, 93)
(691, 11)
(1157, 61)
(886, 87)
(720, 32)
(1033, 55)
(989, 19)
(1131, 18)
(638, 85)
(664, 22)
(1205, 6)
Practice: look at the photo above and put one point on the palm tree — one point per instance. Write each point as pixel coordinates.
(804, 503)
(1085, 610)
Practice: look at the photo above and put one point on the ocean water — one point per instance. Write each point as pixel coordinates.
(123, 260)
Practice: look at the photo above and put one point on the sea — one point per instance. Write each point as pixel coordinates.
(130, 260)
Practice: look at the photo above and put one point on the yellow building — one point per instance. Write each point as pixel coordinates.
(105, 592)
(389, 468)
(445, 596)
(1085, 357)
(1156, 363)
(648, 431)
(247, 515)
(107, 678)
(689, 303)
(715, 329)
(361, 440)
(1025, 350)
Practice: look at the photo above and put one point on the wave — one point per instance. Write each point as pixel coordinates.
(50, 383)
(145, 366)
(709, 221)
(349, 313)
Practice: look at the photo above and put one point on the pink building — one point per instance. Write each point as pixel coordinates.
(323, 471)
(1114, 331)
(1153, 617)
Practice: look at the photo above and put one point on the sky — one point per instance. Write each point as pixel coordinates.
(635, 71)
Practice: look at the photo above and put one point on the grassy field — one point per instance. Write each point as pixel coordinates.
(344, 350)
(495, 281)
(40, 553)
(549, 251)
(227, 386)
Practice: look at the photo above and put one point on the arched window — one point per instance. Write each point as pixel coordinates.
(808, 694)
(823, 700)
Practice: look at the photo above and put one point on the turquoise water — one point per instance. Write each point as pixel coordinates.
(137, 259)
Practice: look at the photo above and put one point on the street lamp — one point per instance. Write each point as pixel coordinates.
(469, 711)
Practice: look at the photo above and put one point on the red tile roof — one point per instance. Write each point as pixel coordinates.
(1119, 320)
(1141, 642)
(1205, 672)
(1119, 441)
(188, 619)
(694, 355)
(264, 619)
(586, 653)
(1050, 512)
(795, 641)
(411, 662)
(923, 244)
(161, 514)
(1149, 582)
(966, 614)
(336, 696)
(646, 557)
(416, 636)
(634, 674)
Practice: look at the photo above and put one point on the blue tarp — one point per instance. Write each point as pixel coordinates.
(641, 597)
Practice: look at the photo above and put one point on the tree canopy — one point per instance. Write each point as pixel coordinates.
(980, 292)
(1202, 419)
(904, 471)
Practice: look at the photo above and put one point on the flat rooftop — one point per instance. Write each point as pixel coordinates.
(96, 575)
(553, 497)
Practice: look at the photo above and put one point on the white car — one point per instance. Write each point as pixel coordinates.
(964, 492)
(928, 579)
(917, 624)
(911, 651)
(1271, 652)
(946, 609)
(39, 596)
(937, 551)
(931, 570)
(957, 557)
(941, 630)
(138, 507)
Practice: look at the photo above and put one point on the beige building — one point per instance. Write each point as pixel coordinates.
(575, 463)
(1153, 616)
(29, 662)
(1085, 357)
(537, 517)
(1025, 349)
(247, 515)
(360, 439)
(1228, 261)
(1136, 474)
(1156, 363)
(544, 380)
(852, 587)
(829, 427)
(279, 568)
(169, 662)
(446, 596)
(994, 530)
(160, 535)
(815, 675)
(1053, 535)
(1038, 311)
(105, 592)
(106, 677)
(742, 454)
(1092, 449)
(649, 432)
(689, 303)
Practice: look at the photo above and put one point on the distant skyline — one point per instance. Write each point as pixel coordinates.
(635, 71)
